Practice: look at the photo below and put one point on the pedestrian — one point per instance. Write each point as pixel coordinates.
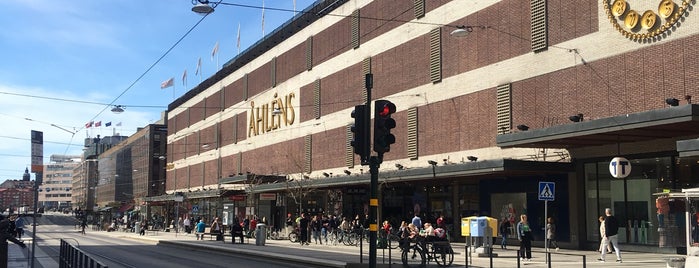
(144, 226)
(6, 229)
(611, 230)
(83, 224)
(417, 221)
(551, 234)
(440, 222)
(603, 237)
(303, 229)
(325, 228)
(253, 224)
(19, 227)
(524, 235)
(187, 225)
(504, 229)
(289, 225)
(316, 228)
(216, 229)
(200, 228)
(236, 231)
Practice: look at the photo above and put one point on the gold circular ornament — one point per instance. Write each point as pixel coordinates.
(648, 20)
(618, 8)
(666, 8)
(631, 19)
(652, 24)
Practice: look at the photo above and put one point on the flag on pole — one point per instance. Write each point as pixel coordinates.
(214, 51)
(294, 7)
(89, 124)
(184, 77)
(108, 124)
(238, 38)
(98, 123)
(118, 124)
(198, 67)
(167, 83)
(263, 18)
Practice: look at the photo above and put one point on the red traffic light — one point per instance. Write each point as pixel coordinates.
(387, 109)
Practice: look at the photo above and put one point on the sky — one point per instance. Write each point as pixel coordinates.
(66, 63)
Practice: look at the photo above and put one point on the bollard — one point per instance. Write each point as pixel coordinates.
(584, 261)
(466, 256)
(518, 255)
(491, 257)
(548, 258)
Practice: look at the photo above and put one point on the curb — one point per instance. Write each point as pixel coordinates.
(259, 253)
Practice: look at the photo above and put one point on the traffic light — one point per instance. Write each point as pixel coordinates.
(383, 123)
(360, 129)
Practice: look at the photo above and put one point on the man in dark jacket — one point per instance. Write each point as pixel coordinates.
(611, 229)
(5, 232)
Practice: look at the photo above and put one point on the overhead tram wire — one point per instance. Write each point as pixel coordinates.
(142, 75)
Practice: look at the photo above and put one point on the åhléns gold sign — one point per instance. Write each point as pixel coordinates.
(263, 118)
(628, 17)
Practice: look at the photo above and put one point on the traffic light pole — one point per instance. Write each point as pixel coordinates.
(373, 208)
(374, 184)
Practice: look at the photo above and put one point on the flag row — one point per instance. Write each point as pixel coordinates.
(99, 124)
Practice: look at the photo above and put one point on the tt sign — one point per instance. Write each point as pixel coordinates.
(619, 167)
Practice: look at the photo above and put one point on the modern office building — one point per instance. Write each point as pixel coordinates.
(55, 192)
(492, 99)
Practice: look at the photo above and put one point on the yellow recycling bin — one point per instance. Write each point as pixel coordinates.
(466, 225)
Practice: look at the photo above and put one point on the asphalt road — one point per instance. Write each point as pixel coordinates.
(130, 253)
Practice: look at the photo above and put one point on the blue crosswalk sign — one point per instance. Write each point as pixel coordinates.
(547, 191)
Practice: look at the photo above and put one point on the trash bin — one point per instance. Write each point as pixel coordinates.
(260, 234)
(137, 227)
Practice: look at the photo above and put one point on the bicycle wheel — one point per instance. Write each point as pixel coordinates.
(443, 255)
(352, 239)
(294, 237)
(393, 241)
(413, 257)
(333, 238)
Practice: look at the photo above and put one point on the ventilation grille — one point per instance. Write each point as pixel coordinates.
(245, 87)
(240, 162)
(419, 7)
(235, 128)
(273, 71)
(355, 29)
(308, 154)
(412, 133)
(309, 53)
(436, 55)
(349, 151)
(366, 69)
(504, 99)
(316, 99)
(539, 25)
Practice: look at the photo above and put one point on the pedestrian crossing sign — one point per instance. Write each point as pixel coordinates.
(547, 191)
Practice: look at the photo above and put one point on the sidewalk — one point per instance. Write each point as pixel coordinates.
(16, 256)
(340, 256)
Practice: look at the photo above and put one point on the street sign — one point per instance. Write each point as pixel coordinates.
(195, 209)
(619, 167)
(547, 191)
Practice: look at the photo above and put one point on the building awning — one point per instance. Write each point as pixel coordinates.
(125, 207)
(671, 122)
(105, 209)
(688, 148)
(251, 178)
(482, 169)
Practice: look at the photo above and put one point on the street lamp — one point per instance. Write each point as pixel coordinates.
(118, 109)
(203, 7)
(465, 30)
